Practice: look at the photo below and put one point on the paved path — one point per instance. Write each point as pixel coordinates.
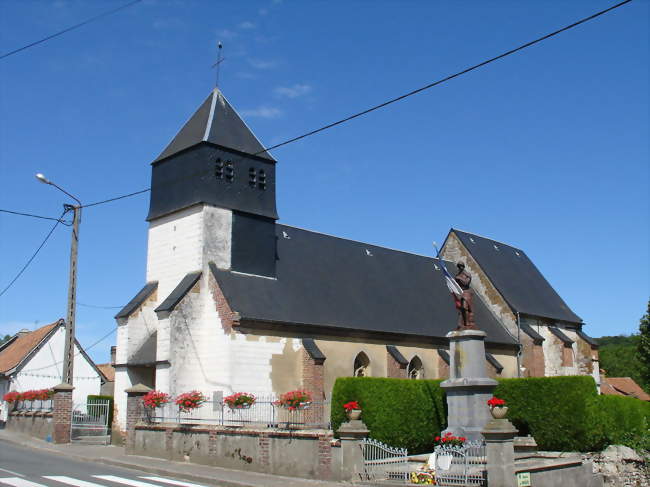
(29, 462)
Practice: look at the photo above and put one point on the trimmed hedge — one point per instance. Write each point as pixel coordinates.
(399, 412)
(93, 399)
(562, 413)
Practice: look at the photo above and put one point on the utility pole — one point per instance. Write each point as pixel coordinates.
(68, 353)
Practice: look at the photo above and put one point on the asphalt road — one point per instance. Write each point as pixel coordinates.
(25, 467)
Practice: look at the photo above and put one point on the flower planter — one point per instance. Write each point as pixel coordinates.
(353, 414)
(499, 412)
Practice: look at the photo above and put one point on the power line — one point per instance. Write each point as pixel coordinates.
(68, 29)
(99, 307)
(31, 215)
(34, 254)
(408, 94)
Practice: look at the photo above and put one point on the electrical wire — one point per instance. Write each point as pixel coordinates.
(99, 307)
(29, 261)
(31, 215)
(406, 95)
(68, 29)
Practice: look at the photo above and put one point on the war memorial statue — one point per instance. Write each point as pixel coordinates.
(464, 301)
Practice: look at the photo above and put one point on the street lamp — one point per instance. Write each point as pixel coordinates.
(68, 354)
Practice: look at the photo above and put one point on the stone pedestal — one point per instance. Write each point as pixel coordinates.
(351, 434)
(468, 387)
(499, 437)
(62, 413)
(134, 412)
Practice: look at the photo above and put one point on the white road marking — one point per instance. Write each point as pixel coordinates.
(172, 482)
(71, 481)
(18, 482)
(120, 480)
(12, 473)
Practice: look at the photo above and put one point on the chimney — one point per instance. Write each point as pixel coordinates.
(23, 332)
(113, 351)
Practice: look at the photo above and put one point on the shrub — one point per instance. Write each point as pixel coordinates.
(95, 399)
(400, 412)
(626, 421)
(562, 413)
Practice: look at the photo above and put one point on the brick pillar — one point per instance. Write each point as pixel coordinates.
(62, 413)
(313, 381)
(134, 411)
(265, 447)
(325, 457)
(351, 434)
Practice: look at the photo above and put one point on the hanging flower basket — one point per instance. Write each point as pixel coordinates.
(12, 397)
(294, 400)
(188, 401)
(240, 400)
(155, 399)
(498, 408)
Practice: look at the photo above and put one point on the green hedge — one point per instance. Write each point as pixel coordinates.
(401, 413)
(626, 421)
(92, 398)
(562, 413)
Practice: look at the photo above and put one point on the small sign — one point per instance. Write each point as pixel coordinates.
(523, 479)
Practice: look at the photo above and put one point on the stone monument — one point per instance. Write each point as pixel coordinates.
(468, 387)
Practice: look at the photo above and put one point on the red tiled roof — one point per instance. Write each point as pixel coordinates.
(108, 370)
(625, 386)
(17, 351)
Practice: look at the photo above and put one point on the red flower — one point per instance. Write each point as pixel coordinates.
(349, 406)
(496, 402)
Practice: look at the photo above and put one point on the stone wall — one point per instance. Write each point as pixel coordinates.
(32, 423)
(308, 454)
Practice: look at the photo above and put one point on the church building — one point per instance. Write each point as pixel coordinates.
(235, 301)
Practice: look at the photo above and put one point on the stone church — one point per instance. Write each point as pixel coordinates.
(235, 301)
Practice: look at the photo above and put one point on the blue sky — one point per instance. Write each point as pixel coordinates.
(546, 150)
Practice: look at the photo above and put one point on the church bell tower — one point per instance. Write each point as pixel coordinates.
(216, 161)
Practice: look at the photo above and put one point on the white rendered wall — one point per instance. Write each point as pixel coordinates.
(553, 349)
(43, 370)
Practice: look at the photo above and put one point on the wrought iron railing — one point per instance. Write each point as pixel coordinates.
(464, 465)
(384, 464)
(263, 413)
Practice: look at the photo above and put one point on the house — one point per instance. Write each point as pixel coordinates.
(108, 370)
(235, 301)
(34, 359)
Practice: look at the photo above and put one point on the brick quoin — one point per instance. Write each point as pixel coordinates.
(229, 319)
(325, 457)
(313, 381)
(62, 413)
(394, 368)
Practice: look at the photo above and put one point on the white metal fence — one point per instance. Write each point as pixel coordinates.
(90, 419)
(384, 464)
(464, 465)
(263, 413)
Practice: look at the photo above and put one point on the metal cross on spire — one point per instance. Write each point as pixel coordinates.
(218, 63)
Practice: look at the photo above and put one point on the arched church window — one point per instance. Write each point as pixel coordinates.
(218, 168)
(361, 365)
(252, 177)
(229, 171)
(415, 368)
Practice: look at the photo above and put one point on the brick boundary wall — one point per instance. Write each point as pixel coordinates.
(393, 368)
(325, 457)
(62, 413)
(265, 449)
(134, 411)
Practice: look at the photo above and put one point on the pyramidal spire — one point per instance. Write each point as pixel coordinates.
(216, 122)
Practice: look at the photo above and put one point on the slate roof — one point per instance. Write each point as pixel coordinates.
(21, 346)
(216, 122)
(516, 278)
(139, 298)
(325, 281)
(587, 338)
(179, 292)
(530, 331)
(560, 334)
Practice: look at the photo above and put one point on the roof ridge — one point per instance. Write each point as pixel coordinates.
(360, 242)
(487, 238)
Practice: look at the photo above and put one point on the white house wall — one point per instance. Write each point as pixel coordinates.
(43, 370)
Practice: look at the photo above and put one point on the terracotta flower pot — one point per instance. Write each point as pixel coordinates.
(353, 414)
(499, 412)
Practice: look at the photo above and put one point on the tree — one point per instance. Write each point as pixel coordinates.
(6, 338)
(643, 347)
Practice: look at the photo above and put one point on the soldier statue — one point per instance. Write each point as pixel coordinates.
(464, 301)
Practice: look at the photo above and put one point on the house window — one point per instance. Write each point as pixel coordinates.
(415, 369)
(361, 365)
(229, 171)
